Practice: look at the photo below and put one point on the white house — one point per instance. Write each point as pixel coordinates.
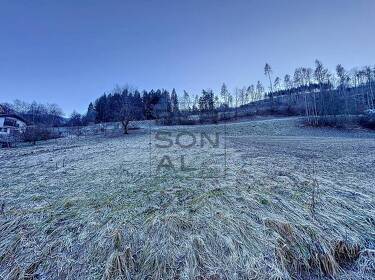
(10, 124)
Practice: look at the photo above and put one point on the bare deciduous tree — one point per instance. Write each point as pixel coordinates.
(186, 101)
(268, 72)
(224, 94)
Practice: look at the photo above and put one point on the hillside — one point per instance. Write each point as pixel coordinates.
(272, 200)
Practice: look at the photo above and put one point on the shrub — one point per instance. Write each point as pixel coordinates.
(9, 140)
(368, 121)
(165, 121)
(332, 121)
(38, 133)
(187, 121)
(208, 117)
(204, 118)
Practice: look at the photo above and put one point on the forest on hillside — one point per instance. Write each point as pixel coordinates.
(321, 93)
(314, 92)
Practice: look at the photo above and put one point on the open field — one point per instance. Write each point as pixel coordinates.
(284, 202)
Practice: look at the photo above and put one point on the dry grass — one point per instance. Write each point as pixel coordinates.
(291, 206)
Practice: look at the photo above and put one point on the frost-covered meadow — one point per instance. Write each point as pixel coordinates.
(284, 202)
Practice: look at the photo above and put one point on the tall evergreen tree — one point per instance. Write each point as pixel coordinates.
(91, 113)
(174, 101)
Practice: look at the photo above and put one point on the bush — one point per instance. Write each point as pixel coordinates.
(165, 121)
(332, 121)
(208, 117)
(187, 121)
(368, 121)
(10, 140)
(290, 111)
(181, 120)
(37, 133)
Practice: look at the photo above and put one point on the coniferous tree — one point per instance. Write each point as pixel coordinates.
(174, 102)
(91, 114)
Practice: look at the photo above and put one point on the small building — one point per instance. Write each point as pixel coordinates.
(11, 124)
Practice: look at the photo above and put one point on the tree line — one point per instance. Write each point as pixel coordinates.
(35, 113)
(322, 92)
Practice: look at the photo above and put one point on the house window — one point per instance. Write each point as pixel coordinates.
(10, 122)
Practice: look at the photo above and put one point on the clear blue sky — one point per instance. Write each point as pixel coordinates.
(69, 52)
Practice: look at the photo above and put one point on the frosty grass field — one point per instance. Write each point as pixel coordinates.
(273, 201)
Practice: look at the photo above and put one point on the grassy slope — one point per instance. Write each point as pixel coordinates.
(91, 207)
